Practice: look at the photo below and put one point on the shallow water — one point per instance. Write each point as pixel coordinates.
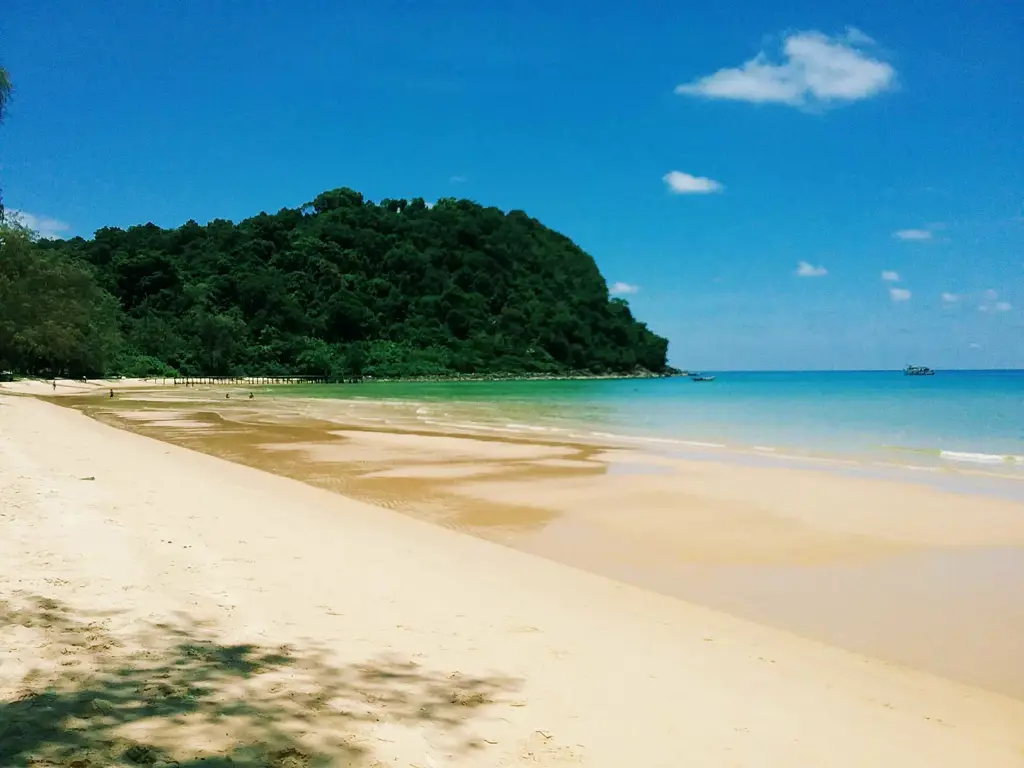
(973, 419)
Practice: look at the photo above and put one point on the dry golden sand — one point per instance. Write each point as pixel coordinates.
(162, 604)
(76, 387)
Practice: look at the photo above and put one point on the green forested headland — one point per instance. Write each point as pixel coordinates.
(341, 287)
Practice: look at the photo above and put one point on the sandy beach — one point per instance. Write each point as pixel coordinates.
(163, 605)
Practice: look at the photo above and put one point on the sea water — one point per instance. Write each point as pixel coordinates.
(970, 419)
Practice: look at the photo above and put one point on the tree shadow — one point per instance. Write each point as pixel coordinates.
(173, 694)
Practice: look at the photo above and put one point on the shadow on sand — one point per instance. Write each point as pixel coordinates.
(172, 695)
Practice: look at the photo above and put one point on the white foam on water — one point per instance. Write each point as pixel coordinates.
(910, 467)
(670, 441)
(824, 460)
(472, 426)
(981, 458)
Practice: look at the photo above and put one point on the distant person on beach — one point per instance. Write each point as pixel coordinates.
(251, 395)
(227, 396)
(54, 385)
(111, 392)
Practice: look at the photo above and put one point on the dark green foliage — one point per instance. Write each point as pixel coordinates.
(345, 288)
(54, 319)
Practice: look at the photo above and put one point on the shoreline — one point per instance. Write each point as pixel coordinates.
(946, 460)
(962, 456)
(491, 656)
(254, 380)
(955, 470)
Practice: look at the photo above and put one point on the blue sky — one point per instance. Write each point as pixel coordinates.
(746, 171)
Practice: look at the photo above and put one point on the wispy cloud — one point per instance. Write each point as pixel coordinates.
(814, 69)
(680, 183)
(950, 298)
(623, 289)
(805, 269)
(457, 179)
(899, 294)
(996, 306)
(890, 277)
(990, 302)
(974, 345)
(912, 234)
(44, 226)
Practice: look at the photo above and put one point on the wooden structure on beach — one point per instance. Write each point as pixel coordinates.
(191, 381)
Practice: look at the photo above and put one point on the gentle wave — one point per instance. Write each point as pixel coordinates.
(910, 467)
(955, 456)
(671, 441)
(425, 411)
(981, 458)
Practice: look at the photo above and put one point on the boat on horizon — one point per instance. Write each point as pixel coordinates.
(918, 370)
(701, 377)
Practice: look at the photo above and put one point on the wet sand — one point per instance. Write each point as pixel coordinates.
(907, 573)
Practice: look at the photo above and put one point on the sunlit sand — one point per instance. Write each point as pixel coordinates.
(396, 638)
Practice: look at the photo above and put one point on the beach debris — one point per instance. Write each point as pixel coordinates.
(101, 706)
(468, 698)
(140, 754)
(290, 758)
(87, 478)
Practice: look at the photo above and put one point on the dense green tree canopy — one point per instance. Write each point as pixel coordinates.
(346, 287)
(54, 318)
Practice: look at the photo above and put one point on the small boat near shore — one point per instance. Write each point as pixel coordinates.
(918, 370)
(701, 377)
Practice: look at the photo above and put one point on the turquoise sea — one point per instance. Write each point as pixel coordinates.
(966, 419)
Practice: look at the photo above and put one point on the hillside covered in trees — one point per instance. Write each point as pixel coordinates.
(342, 287)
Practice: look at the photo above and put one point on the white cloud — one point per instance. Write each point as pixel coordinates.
(899, 294)
(680, 183)
(890, 277)
(457, 179)
(815, 69)
(804, 269)
(623, 289)
(855, 36)
(974, 345)
(998, 306)
(989, 302)
(913, 234)
(44, 226)
(950, 298)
